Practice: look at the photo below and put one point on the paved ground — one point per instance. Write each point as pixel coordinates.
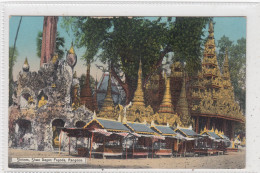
(232, 160)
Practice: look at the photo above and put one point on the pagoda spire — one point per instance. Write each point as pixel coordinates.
(86, 92)
(108, 104)
(182, 107)
(138, 99)
(226, 73)
(166, 105)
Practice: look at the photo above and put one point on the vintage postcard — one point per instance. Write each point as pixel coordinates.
(127, 92)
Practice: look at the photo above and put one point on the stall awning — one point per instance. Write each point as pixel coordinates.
(122, 134)
(101, 131)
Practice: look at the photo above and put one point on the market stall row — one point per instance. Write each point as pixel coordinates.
(131, 139)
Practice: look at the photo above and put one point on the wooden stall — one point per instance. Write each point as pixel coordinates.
(213, 143)
(107, 137)
(142, 140)
(164, 147)
(187, 144)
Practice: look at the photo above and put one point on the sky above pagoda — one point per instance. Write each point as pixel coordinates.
(232, 27)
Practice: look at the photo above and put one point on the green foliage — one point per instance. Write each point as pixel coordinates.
(237, 66)
(59, 45)
(89, 33)
(223, 44)
(186, 39)
(13, 53)
(124, 41)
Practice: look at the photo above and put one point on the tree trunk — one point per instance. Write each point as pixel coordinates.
(124, 85)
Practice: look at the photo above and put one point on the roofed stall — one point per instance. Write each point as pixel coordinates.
(214, 143)
(107, 137)
(167, 146)
(187, 145)
(143, 139)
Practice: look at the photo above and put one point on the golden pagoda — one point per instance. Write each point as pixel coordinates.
(138, 111)
(107, 110)
(166, 112)
(138, 99)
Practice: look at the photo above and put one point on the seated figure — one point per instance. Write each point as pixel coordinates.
(42, 102)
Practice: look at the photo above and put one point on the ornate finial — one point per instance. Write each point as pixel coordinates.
(26, 65)
(71, 51)
(211, 27)
(124, 120)
(119, 118)
(226, 64)
(205, 129)
(212, 130)
(94, 115)
(152, 123)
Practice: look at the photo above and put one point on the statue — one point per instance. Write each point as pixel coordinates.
(30, 100)
(42, 102)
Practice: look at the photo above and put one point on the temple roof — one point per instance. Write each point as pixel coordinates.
(212, 134)
(139, 127)
(186, 132)
(108, 124)
(164, 130)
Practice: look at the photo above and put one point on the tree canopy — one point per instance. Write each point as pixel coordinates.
(124, 41)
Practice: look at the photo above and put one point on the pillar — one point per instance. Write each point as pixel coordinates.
(208, 123)
(197, 124)
(232, 130)
(224, 126)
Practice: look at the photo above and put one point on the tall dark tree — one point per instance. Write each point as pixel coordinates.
(223, 44)
(13, 53)
(124, 41)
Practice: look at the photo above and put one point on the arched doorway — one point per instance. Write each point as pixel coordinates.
(24, 127)
(57, 124)
(80, 124)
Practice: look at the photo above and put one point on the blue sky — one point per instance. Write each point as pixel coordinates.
(232, 27)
